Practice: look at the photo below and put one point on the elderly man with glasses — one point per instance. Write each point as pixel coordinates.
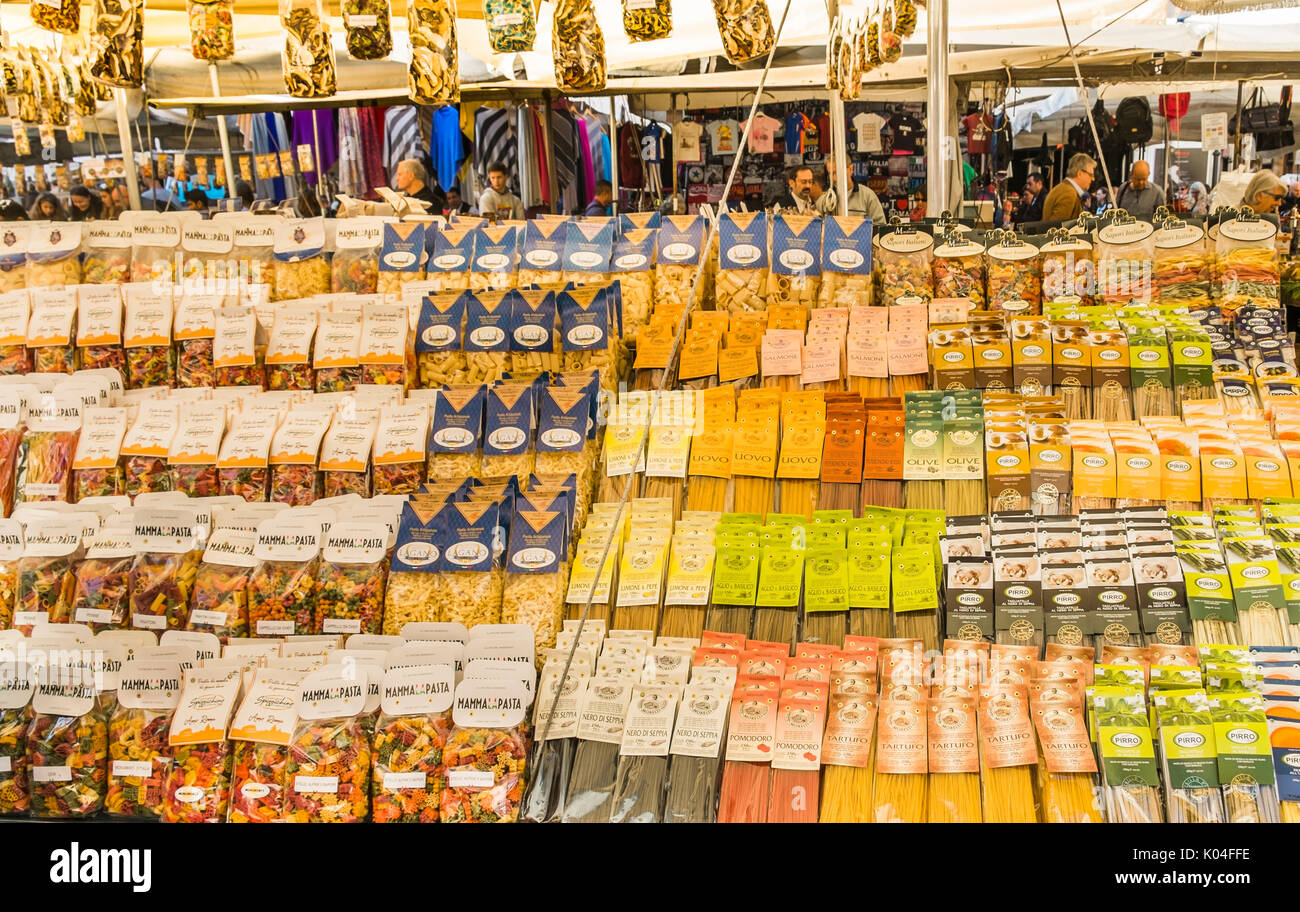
(1065, 201)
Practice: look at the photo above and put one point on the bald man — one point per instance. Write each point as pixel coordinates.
(1139, 196)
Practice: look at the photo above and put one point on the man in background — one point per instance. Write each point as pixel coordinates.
(1031, 204)
(455, 205)
(798, 195)
(863, 201)
(497, 202)
(1138, 196)
(1065, 200)
(410, 178)
(599, 205)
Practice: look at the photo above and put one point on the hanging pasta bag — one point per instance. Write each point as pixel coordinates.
(57, 15)
(578, 46)
(369, 28)
(117, 42)
(212, 29)
(308, 63)
(745, 27)
(512, 25)
(433, 77)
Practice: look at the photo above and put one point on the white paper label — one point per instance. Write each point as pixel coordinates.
(275, 628)
(395, 781)
(94, 616)
(211, 618)
(326, 784)
(340, 625)
(149, 621)
(52, 774)
(141, 768)
(471, 779)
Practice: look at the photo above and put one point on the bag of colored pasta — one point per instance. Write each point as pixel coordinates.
(301, 265)
(106, 253)
(1246, 260)
(11, 552)
(308, 62)
(288, 352)
(50, 333)
(345, 455)
(15, 314)
(261, 731)
(906, 274)
(234, 348)
(355, 265)
(208, 264)
(198, 785)
(147, 335)
(1069, 273)
(219, 598)
(1125, 251)
(399, 449)
(102, 582)
(54, 255)
(282, 589)
(154, 240)
(192, 458)
(512, 25)
(350, 582)
(486, 753)
(1182, 265)
(254, 248)
(410, 735)
(327, 777)
(958, 269)
(99, 327)
(16, 689)
(212, 29)
(96, 471)
(117, 42)
(294, 451)
(139, 752)
(67, 745)
(48, 446)
(169, 545)
(337, 354)
(194, 326)
(383, 352)
(244, 461)
(44, 591)
(145, 448)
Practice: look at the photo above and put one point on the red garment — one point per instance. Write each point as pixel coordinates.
(543, 174)
(824, 133)
(630, 173)
(979, 132)
(372, 147)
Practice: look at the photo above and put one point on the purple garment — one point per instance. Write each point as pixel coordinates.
(327, 152)
(584, 151)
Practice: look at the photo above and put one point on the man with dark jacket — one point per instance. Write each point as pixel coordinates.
(798, 195)
(1031, 205)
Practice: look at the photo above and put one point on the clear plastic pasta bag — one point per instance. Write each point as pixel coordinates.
(308, 63)
(212, 28)
(647, 20)
(117, 42)
(369, 28)
(57, 15)
(512, 25)
(78, 746)
(434, 74)
(578, 45)
(745, 27)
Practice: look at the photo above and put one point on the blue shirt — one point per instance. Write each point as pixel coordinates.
(793, 133)
(595, 209)
(448, 147)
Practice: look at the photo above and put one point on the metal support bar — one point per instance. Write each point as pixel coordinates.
(941, 145)
(128, 153)
(222, 132)
(840, 153)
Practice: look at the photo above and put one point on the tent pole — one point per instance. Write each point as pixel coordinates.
(1236, 145)
(940, 144)
(128, 153)
(839, 153)
(222, 132)
(548, 136)
(613, 151)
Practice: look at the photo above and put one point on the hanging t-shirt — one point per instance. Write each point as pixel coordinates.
(867, 127)
(824, 133)
(795, 124)
(652, 143)
(630, 172)
(907, 134)
(762, 134)
(724, 137)
(686, 141)
(979, 131)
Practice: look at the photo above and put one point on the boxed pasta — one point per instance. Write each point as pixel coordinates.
(509, 419)
(494, 264)
(95, 466)
(155, 238)
(139, 753)
(741, 283)
(541, 253)
(454, 447)
(300, 266)
(383, 351)
(50, 332)
(146, 335)
(53, 254)
(99, 327)
(345, 454)
(198, 786)
(294, 452)
(337, 353)
(243, 465)
(588, 247)
(15, 313)
(451, 251)
(680, 247)
(439, 345)
(415, 590)
(261, 730)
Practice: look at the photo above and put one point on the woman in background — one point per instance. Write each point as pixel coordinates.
(47, 208)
